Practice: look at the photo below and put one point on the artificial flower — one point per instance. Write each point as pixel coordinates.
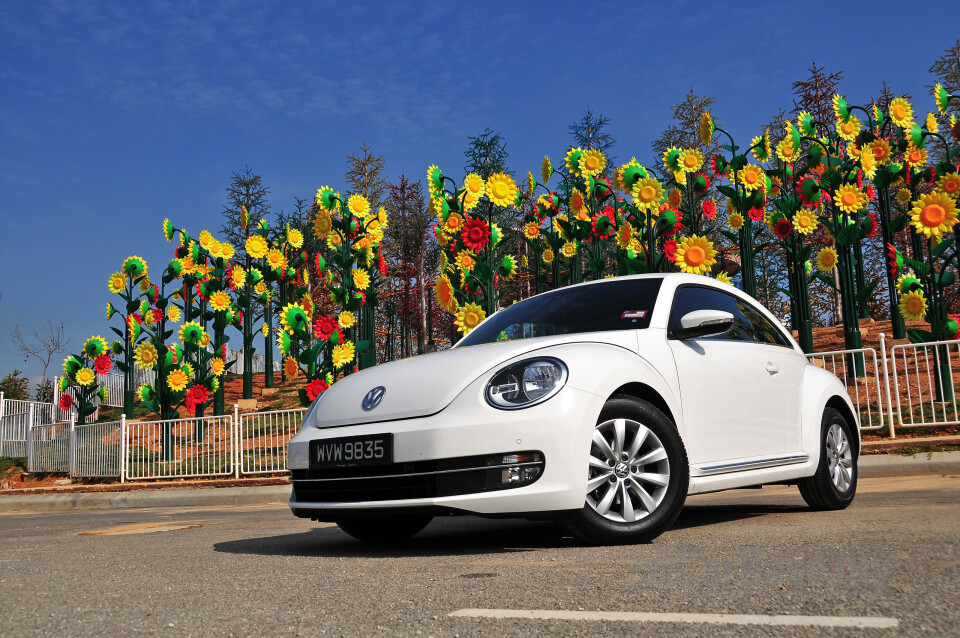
(901, 112)
(276, 261)
(592, 162)
(217, 366)
(695, 254)
(476, 234)
(647, 193)
(949, 184)
(358, 205)
(827, 259)
(913, 305)
(94, 347)
(293, 317)
(294, 237)
(469, 317)
(751, 177)
(85, 377)
(569, 249)
(933, 214)
(444, 293)
(850, 199)
(531, 230)
(342, 354)
(322, 223)
(346, 319)
(501, 189)
(256, 246)
(315, 388)
(290, 368)
(196, 395)
(735, 221)
(850, 128)
(805, 221)
(117, 283)
(707, 128)
(219, 301)
(546, 169)
(134, 267)
(102, 364)
(915, 157)
(547, 256)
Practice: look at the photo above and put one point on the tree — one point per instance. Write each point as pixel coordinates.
(365, 175)
(246, 190)
(815, 94)
(590, 132)
(685, 132)
(946, 68)
(15, 387)
(486, 154)
(43, 346)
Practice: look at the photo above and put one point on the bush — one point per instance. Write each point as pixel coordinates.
(15, 387)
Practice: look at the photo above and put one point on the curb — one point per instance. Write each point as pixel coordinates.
(211, 496)
(871, 466)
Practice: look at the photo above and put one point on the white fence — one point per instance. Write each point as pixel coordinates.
(48, 448)
(925, 381)
(178, 448)
(97, 449)
(864, 389)
(263, 439)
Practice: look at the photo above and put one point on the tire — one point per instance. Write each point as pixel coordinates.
(384, 528)
(834, 484)
(651, 492)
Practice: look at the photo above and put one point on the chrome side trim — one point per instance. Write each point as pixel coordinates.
(753, 465)
(383, 476)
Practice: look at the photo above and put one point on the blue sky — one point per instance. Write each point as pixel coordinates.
(116, 115)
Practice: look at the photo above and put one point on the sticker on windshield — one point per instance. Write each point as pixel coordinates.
(633, 314)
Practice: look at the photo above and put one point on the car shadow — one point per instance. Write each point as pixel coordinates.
(468, 535)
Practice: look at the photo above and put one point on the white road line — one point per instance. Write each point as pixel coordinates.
(874, 622)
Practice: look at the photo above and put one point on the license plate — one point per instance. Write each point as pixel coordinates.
(352, 451)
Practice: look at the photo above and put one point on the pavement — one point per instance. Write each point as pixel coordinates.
(196, 494)
(737, 563)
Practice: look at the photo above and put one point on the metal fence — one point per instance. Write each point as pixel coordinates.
(97, 449)
(48, 448)
(176, 448)
(864, 389)
(925, 382)
(263, 439)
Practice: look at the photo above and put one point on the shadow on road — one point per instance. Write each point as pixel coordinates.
(467, 535)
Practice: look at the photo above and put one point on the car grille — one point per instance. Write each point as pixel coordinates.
(421, 479)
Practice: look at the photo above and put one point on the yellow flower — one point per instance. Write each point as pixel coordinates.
(751, 177)
(276, 260)
(117, 283)
(624, 235)
(850, 199)
(361, 279)
(177, 380)
(501, 189)
(85, 376)
(933, 214)
(342, 354)
(690, 160)
(931, 123)
(850, 129)
(881, 150)
(647, 193)
(569, 249)
(913, 305)
(466, 260)
(257, 246)
(577, 201)
(695, 255)
(358, 205)
(723, 277)
(173, 313)
(145, 355)
(226, 250)
(547, 256)
(546, 169)
(290, 369)
(904, 196)
(334, 241)
(294, 237)
(531, 230)
(206, 239)
(346, 319)
(707, 128)
(949, 185)
(220, 301)
(470, 200)
(322, 223)
(915, 157)
(592, 162)
(454, 223)
(217, 366)
(827, 259)
(868, 163)
(735, 221)
(445, 296)
(805, 221)
(239, 276)
(469, 317)
(786, 151)
(474, 185)
(901, 112)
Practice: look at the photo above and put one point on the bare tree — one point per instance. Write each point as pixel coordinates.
(43, 346)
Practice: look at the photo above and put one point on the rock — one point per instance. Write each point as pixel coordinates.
(268, 391)
(62, 482)
(247, 404)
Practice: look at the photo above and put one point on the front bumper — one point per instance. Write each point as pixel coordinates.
(559, 430)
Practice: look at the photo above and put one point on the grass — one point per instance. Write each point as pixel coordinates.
(6, 463)
(912, 450)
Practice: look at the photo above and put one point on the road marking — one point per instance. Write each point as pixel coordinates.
(139, 528)
(874, 622)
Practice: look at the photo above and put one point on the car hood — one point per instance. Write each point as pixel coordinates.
(426, 384)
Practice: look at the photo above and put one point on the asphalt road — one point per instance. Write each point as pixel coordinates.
(893, 558)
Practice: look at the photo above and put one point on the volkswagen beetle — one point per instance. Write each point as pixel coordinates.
(602, 405)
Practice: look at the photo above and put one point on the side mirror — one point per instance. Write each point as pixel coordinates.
(703, 323)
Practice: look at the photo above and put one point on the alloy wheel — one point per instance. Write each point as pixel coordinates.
(840, 457)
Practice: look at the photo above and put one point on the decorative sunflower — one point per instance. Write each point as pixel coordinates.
(723, 277)
(806, 124)
(326, 199)
(707, 129)
(168, 230)
(592, 162)
(342, 354)
(761, 147)
(850, 199)
(219, 301)
(294, 237)
(647, 193)
(913, 305)
(94, 347)
(346, 319)
(690, 160)
(546, 169)
(735, 221)
(933, 214)
(752, 177)
(827, 259)
(276, 261)
(283, 342)
(531, 230)
(942, 97)
(671, 159)
(257, 246)
(444, 293)
(293, 317)
(361, 279)
(508, 267)
(290, 369)
(358, 205)
(695, 254)
(146, 355)
(805, 221)
(547, 256)
(85, 377)
(117, 283)
(624, 235)
(572, 159)
(901, 112)
(191, 332)
(134, 267)
(850, 128)
(469, 317)
(217, 366)
(475, 185)
(177, 380)
(501, 189)
(434, 179)
(569, 249)
(949, 185)
(907, 283)
(915, 157)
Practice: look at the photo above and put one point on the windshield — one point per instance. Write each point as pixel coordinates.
(617, 304)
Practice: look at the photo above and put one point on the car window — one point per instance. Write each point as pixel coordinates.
(617, 304)
(748, 323)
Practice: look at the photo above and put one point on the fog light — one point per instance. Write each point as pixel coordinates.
(511, 475)
(530, 473)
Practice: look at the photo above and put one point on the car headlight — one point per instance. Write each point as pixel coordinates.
(526, 383)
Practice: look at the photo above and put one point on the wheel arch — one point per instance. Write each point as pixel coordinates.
(822, 390)
(843, 407)
(646, 393)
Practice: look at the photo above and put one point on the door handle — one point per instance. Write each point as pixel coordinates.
(772, 369)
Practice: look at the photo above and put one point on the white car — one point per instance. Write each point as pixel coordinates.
(602, 405)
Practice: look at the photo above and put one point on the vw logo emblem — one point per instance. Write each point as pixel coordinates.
(373, 398)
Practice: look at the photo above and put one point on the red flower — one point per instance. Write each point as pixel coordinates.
(66, 402)
(756, 214)
(102, 364)
(323, 327)
(782, 228)
(604, 223)
(675, 229)
(157, 315)
(223, 351)
(383, 262)
(670, 249)
(873, 224)
(173, 351)
(196, 395)
(956, 322)
(315, 388)
(476, 234)
(155, 290)
(871, 192)
(701, 182)
(892, 259)
(709, 208)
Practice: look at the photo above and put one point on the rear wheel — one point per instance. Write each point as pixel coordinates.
(375, 528)
(637, 476)
(834, 484)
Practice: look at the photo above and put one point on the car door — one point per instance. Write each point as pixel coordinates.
(735, 388)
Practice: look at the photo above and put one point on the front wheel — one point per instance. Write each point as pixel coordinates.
(637, 476)
(383, 529)
(834, 484)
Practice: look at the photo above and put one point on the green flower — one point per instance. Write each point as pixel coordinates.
(916, 136)
(435, 177)
(110, 310)
(632, 173)
(283, 342)
(70, 365)
(175, 267)
(146, 392)
(94, 347)
(116, 348)
(134, 267)
(168, 230)
(942, 97)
